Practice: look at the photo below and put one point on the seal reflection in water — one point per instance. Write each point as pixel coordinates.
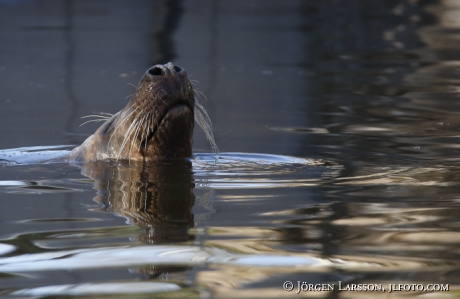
(157, 123)
(157, 197)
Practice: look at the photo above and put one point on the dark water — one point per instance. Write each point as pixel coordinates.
(338, 123)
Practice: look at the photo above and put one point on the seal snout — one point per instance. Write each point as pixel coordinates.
(168, 82)
(164, 70)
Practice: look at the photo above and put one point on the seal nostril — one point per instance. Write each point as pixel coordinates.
(163, 70)
(156, 71)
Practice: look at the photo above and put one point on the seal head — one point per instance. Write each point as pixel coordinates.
(156, 124)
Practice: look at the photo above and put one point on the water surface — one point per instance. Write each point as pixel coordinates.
(337, 122)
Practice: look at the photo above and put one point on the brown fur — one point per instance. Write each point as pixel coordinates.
(157, 123)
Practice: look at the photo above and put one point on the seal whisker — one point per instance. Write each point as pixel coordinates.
(138, 129)
(201, 94)
(203, 120)
(121, 122)
(93, 120)
(126, 137)
(130, 131)
(146, 129)
(136, 133)
(126, 117)
(144, 132)
(138, 121)
(96, 115)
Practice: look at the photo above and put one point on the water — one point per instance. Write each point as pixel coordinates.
(337, 122)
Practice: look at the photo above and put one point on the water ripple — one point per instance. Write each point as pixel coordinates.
(114, 288)
(132, 256)
(246, 170)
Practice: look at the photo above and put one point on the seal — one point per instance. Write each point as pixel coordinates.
(157, 123)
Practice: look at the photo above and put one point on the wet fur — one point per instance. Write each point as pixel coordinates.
(157, 123)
